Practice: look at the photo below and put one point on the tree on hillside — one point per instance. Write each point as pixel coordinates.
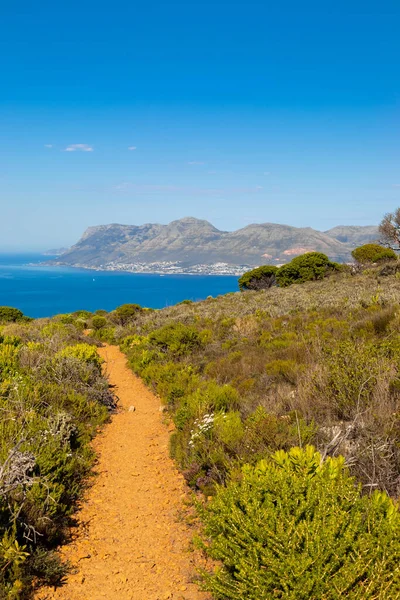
(389, 230)
(260, 278)
(306, 267)
(373, 253)
(125, 313)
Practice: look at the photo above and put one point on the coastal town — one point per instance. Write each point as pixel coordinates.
(170, 268)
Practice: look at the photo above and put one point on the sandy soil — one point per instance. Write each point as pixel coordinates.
(132, 540)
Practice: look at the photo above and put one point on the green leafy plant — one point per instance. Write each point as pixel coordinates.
(297, 527)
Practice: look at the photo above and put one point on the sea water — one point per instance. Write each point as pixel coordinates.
(42, 291)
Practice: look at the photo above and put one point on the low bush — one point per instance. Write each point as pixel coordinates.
(373, 253)
(83, 353)
(296, 527)
(99, 322)
(125, 313)
(9, 314)
(307, 267)
(260, 278)
(176, 338)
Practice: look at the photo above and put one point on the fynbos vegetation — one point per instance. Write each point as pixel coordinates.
(286, 406)
(52, 399)
(250, 376)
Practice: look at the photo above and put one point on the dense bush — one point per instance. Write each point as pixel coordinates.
(9, 314)
(125, 313)
(259, 278)
(373, 253)
(98, 322)
(295, 527)
(307, 267)
(176, 338)
(52, 399)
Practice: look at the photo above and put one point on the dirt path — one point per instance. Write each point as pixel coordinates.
(131, 542)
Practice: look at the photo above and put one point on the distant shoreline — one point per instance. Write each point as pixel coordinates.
(217, 269)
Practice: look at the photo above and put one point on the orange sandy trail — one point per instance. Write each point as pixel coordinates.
(130, 543)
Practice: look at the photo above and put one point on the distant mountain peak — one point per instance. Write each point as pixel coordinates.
(196, 241)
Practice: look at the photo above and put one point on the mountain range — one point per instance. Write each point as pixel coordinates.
(191, 241)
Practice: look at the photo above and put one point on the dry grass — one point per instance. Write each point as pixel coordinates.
(326, 353)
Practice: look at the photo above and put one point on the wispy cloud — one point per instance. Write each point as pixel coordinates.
(396, 185)
(131, 147)
(267, 172)
(195, 162)
(79, 148)
(48, 145)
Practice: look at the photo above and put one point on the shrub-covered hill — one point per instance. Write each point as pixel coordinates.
(53, 398)
(249, 373)
(268, 390)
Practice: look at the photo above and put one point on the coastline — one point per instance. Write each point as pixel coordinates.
(159, 268)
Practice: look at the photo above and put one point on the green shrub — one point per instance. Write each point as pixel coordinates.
(229, 429)
(387, 255)
(285, 370)
(105, 334)
(98, 322)
(125, 313)
(82, 314)
(82, 352)
(11, 315)
(353, 373)
(66, 319)
(372, 253)
(176, 338)
(307, 267)
(260, 278)
(265, 433)
(8, 360)
(297, 528)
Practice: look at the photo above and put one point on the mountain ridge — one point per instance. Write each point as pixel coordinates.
(196, 241)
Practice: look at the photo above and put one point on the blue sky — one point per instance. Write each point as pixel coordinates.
(230, 111)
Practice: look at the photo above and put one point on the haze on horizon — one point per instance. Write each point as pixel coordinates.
(231, 112)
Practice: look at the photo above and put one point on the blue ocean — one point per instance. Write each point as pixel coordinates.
(42, 291)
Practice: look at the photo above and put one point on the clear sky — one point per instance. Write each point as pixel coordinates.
(236, 112)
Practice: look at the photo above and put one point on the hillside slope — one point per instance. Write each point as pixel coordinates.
(194, 241)
(354, 236)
